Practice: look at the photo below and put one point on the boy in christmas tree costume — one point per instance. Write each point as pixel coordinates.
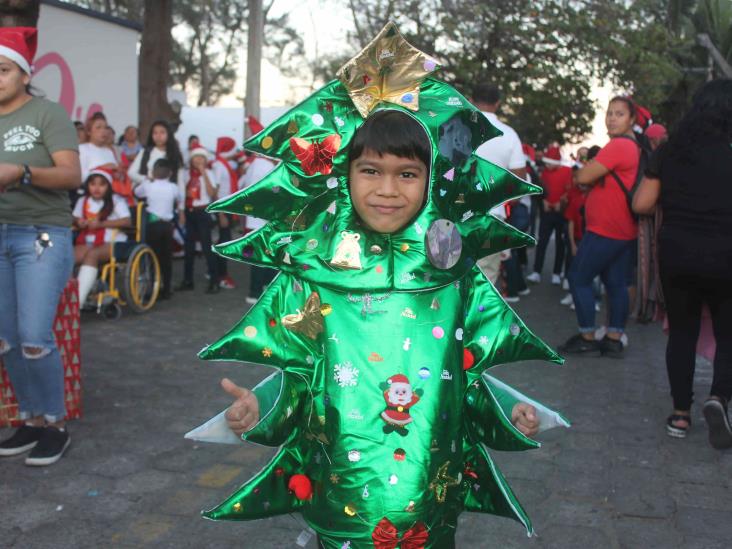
(380, 324)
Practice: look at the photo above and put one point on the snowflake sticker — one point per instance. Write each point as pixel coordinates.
(346, 375)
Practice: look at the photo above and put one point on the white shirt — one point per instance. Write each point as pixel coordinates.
(204, 199)
(222, 177)
(504, 151)
(256, 171)
(120, 211)
(134, 170)
(161, 195)
(92, 156)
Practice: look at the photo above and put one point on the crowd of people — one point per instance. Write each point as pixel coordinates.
(589, 206)
(177, 185)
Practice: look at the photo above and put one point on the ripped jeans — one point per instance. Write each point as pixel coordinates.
(30, 287)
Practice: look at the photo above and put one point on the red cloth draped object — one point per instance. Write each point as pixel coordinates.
(386, 536)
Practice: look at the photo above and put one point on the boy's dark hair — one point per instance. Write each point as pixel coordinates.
(486, 93)
(162, 169)
(592, 151)
(392, 132)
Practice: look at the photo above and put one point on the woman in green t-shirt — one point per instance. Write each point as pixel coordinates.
(39, 164)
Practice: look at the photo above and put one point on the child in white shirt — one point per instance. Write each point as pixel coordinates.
(163, 199)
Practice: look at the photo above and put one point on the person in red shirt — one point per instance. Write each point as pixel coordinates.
(556, 180)
(611, 230)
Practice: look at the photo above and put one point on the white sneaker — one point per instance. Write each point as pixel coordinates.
(567, 300)
(511, 299)
(524, 292)
(565, 285)
(597, 307)
(624, 339)
(534, 277)
(250, 300)
(600, 333)
(556, 280)
(571, 306)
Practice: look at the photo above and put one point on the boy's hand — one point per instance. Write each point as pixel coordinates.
(243, 414)
(524, 418)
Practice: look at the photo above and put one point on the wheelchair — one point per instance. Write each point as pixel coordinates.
(132, 276)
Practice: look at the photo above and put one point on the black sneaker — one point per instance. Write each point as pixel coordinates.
(720, 432)
(50, 447)
(213, 287)
(24, 438)
(612, 348)
(578, 345)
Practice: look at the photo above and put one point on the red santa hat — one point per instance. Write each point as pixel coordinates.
(552, 156)
(226, 147)
(398, 378)
(529, 152)
(656, 131)
(106, 173)
(200, 151)
(19, 45)
(255, 126)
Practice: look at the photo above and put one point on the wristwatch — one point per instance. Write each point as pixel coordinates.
(26, 178)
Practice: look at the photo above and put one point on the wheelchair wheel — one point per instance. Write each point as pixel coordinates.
(141, 279)
(112, 311)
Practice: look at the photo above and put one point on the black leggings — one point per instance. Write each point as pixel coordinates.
(685, 293)
(160, 239)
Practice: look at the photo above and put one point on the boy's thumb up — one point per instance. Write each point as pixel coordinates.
(233, 389)
(243, 413)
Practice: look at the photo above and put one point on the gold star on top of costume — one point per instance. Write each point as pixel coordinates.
(388, 69)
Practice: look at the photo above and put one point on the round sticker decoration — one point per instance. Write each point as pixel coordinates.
(443, 244)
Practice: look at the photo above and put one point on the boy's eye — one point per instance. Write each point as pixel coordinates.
(368, 171)
(408, 175)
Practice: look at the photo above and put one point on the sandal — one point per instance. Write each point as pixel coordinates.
(720, 433)
(676, 431)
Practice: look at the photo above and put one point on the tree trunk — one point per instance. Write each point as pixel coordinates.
(154, 65)
(19, 13)
(254, 62)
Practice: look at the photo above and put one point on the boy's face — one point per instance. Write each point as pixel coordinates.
(387, 191)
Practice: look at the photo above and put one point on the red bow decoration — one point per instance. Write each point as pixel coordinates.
(386, 536)
(316, 157)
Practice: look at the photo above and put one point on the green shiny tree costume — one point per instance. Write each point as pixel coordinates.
(381, 405)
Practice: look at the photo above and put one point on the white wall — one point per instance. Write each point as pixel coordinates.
(210, 123)
(87, 65)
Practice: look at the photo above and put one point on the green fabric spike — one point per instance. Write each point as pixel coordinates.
(488, 423)
(278, 195)
(265, 494)
(487, 490)
(260, 337)
(493, 235)
(494, 334)
(485, 185)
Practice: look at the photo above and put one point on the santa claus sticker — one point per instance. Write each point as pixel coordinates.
(399, 398)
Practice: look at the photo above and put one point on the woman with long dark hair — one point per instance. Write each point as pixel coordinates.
(161, 143)
(607, 246)
(39, 165)
(691, 179)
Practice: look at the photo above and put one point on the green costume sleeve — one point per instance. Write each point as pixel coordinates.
(283, 398)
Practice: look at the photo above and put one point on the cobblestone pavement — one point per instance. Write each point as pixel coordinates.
(614, 480)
